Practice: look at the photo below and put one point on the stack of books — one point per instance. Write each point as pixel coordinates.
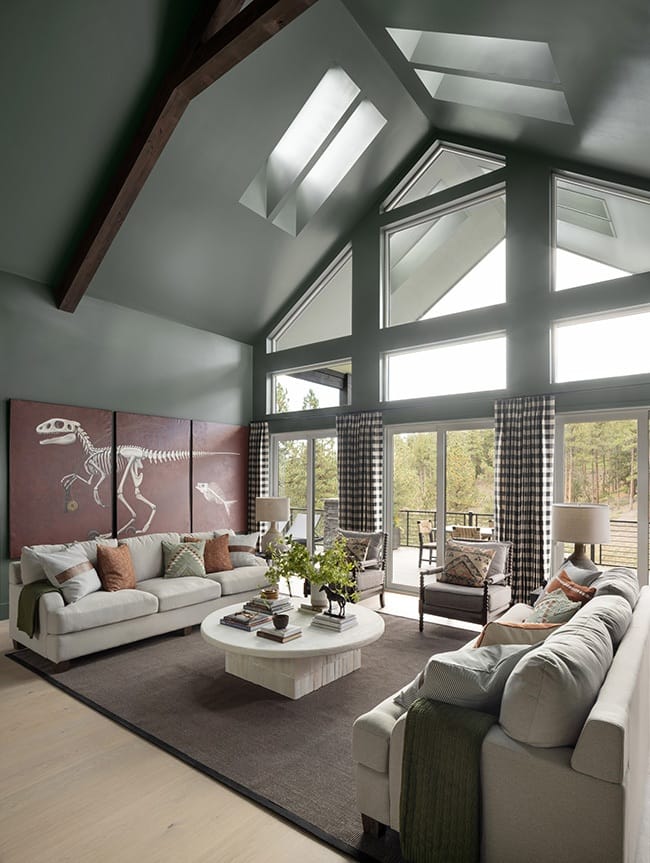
(269, 606)
(247, 620)
(337, 624)
(281, 635)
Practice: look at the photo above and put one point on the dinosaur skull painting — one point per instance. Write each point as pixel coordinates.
(65, 430)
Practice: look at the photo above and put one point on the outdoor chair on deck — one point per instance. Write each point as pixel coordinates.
(297, 528)
(463, 532)
(467, 587)
(427, 543)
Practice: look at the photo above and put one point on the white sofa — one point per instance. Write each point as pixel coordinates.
(105, 619)
(541, 804)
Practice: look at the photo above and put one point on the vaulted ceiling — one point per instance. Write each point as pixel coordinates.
(570, 78)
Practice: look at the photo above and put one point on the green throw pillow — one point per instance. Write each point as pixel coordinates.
(555, 607)
(183, 558)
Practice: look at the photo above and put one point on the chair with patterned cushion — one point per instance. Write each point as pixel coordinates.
(463, 532)
(427, 541)
(473, 585)
(369, 549)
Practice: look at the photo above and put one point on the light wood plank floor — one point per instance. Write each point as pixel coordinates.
(75, 786)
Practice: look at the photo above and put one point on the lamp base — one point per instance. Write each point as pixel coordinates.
(271, 537)
(580, 559)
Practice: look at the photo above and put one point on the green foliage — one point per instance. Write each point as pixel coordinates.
(331, 566)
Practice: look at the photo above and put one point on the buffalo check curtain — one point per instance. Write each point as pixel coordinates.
(360, 441)
(523, 477)
(258, 467)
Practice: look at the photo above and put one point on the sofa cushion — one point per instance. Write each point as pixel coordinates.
(70, 571)
(618, 581)
(216, 555)
(549, 694)
(615, 613)
(147, 554)
(243, 542)
(115, 568)
(471, 677)
(555, 607)
(240, 579)
(100, 609)
(245, 558)
(454, 597)
(466, 565)
(31, 568)
(179, 592)
(183, 558)
(368, 578)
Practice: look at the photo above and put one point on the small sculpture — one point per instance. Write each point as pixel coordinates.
(334, 596)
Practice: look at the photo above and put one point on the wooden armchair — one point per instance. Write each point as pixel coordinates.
(472, 604)
(462, 532)
(427, 542)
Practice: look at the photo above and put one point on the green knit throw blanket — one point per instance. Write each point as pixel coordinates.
(27, 618)
(440, 807)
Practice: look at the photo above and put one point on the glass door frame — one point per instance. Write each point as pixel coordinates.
(642, 418)
(310, 437)
(440, 428)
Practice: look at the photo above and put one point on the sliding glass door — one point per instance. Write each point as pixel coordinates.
(303, 468)
(603, 458)
(437, 476)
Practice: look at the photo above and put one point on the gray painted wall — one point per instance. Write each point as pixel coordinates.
(106, 356)
(526, 318)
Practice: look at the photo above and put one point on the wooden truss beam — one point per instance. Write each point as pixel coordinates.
(222, 35)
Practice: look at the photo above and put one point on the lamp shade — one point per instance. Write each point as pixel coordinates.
(271, 508)
(586, 523)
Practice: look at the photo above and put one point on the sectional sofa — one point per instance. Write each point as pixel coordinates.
(105, 619)
(563, 772)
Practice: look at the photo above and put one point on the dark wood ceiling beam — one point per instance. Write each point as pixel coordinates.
(206, 55)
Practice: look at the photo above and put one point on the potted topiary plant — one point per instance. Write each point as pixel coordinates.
(331, 567)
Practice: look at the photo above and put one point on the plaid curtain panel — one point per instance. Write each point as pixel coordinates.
(258, 467)
(360, 441)
(523, 486)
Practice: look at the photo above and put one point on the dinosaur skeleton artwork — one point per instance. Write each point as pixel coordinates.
(130, 461)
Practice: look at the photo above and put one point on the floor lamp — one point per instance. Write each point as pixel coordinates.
(273, 510)
(583, 524)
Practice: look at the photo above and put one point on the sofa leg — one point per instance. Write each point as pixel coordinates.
(382, 600)
(187, 630)
(372, 826)
(60, 667)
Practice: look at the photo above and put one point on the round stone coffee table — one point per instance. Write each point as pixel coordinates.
(300, 666)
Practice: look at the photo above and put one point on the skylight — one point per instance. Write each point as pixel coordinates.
(327, 137)
(511, 75)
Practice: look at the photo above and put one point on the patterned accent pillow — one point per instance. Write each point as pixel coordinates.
(183, 558)
(70, 571)
(115, 567)
(375, 541)
(576, 592)
(554, 607)
(465, 566)
(357, 549)
(216, 555)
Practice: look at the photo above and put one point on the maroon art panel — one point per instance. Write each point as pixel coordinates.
(219, 476)
(152, 458)
(60, 474)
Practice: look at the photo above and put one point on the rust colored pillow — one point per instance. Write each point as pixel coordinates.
(216, 554)
(574, 592)
(115, 567)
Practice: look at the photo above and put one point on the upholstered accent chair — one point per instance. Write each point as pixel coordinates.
(370, 573)
(427, 541)
(480, 603)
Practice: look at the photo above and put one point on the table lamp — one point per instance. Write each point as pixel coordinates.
(583, 524)
(271, 509)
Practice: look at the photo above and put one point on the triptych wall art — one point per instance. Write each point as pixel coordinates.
(78, 473)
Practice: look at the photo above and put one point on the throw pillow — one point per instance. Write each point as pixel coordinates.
(245, 558)
(183, 558)
(216, 555)
(243, 542)
(471, 677)
(357, 549)
(555, 607)
(574, 591)
(496, 632)
(499, 562)
(71, 571)
(405, 697)
(375, 541)
(466, 566)
(115, 568)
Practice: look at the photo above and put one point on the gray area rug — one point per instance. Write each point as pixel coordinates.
(294, 757)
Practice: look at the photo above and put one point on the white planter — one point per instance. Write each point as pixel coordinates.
(318, 598)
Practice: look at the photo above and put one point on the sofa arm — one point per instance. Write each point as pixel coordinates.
(371, 734)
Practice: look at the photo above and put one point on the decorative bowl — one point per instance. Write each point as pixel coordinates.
(280, 621)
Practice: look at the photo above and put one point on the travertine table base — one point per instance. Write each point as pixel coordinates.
(300, 666)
